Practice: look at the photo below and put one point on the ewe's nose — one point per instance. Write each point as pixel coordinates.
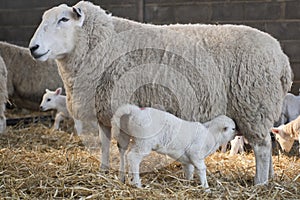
(33, 48)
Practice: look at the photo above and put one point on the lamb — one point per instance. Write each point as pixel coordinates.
(3, 95)
(237, 145)
(287, 133)
(151, 129)
(196, 72)
(290, 109)
(55, 100)
(27, 78)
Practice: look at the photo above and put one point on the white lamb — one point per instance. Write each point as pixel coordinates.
(236, 145)
(151, 129)
(287, 133)
(56, 101)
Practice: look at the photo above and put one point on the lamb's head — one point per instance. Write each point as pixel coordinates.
(223, 128)
(54, 38)
(49, 99)
(285, 140)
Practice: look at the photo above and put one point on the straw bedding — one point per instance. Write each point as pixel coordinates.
(39, 163)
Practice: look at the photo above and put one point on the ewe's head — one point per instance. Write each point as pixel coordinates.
(285, 140)
(49, 99)
(223, 128)
(54, 38)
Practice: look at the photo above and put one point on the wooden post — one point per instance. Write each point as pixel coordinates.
(140, 6)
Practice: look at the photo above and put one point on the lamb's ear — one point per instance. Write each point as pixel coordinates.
(79, 15)
(47, 90)
(58, 91)
(275, 130)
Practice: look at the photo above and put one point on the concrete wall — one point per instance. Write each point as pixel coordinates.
(280, 18)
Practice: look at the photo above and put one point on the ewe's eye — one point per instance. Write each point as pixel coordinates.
(63, 20)
(48, 99)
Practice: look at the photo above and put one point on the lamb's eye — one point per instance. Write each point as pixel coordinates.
(63, 20)
(48, 99)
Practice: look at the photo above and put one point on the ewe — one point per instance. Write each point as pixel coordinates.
(53, 100)
(151, 129)
(27, 78)
(199, 71)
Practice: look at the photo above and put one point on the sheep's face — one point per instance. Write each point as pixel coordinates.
(285, 140)
(49, 100)
(223, 127)
(54, 38)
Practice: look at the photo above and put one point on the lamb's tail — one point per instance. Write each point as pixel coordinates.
(116, 119)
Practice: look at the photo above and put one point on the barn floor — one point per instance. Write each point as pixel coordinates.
(39, 163)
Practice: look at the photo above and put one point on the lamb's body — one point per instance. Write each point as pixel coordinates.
(152, 129)
(27, 77)
(3, 94)
(196, 71)
(287, 133)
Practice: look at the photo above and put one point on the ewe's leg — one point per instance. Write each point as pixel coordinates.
(123, 142)
(2, 119)
(105, 137)
(78, 126)
(263, 159)
(58, 118)
(134, 158)
(188, 171)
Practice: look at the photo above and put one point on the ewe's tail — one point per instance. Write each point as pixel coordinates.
(116, 119)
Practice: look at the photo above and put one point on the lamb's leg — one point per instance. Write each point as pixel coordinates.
(263, 160)
(123, 142)
(200, 170)
(134, 158)
(105, 137)
(58, 118)
(224, 147)
(188, 171)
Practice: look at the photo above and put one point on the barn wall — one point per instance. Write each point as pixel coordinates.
(280, 18)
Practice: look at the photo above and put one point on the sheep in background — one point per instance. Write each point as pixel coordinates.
(53, 100)
(290, 109)
(200, 71)
(26, 77)
(287, 133)
(3, 95)
(151, 129)
(236, 145)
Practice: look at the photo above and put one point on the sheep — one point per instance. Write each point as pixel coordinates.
(27, 78)
(290, 109)
(3, 95)
(152, 129)
(236, 145)
(195, 71)
(54, 100)
(286, 134)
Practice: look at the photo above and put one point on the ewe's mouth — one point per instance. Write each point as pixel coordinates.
(37, 56)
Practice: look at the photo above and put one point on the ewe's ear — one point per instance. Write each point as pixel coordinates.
(79, 15)
(58, 91)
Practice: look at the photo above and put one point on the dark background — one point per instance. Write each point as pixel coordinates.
(280, 18)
